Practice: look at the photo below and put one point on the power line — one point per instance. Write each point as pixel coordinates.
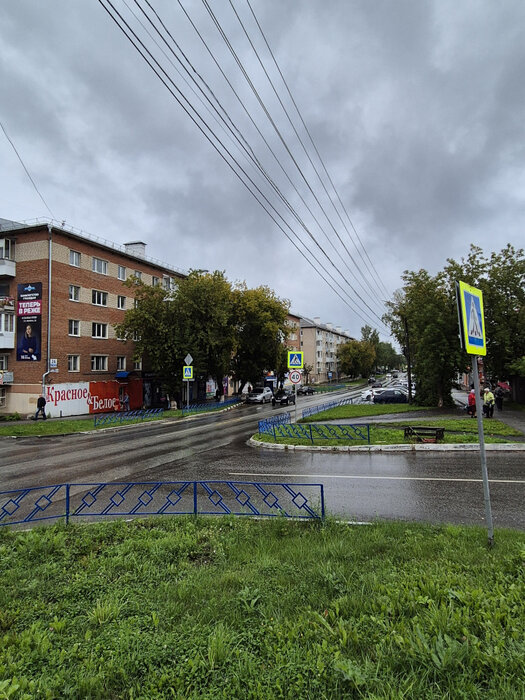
(209, 138)
(378, 278)
(26, 170)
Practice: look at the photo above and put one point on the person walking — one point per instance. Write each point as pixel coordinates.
(41, 407)
(488, 403)
(498, 394)
(472, 403)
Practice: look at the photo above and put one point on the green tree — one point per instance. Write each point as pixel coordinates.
(426, 309)
(260, 320)
(356, 357)
(386, 356)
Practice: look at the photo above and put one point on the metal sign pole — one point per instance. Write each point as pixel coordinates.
(486, 492)
(187, 394)
(295, 403)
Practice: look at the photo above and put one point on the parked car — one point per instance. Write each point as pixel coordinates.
(371, 380)
(377, 385)
(260, 395)
(284, 397)
(305, 390)
(391, 396)
(368, 394)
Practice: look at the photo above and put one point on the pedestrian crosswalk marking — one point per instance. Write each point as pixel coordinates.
(474, 328)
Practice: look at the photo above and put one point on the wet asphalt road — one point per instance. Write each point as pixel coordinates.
(429, 487)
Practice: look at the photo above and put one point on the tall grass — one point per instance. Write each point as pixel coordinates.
(224, 608)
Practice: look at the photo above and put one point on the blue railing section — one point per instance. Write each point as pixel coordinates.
(315, 431)
(325, 406)
(266, 424)
(70, 502)
(125, 416)
(211, 406)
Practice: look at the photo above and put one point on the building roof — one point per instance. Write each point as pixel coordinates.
(6, 226)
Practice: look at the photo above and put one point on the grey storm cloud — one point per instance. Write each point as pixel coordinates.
(417, 109)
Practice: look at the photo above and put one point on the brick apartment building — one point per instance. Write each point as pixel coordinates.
(319, 342)
(61, 293)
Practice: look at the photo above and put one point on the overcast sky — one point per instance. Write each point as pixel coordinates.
(416, 108)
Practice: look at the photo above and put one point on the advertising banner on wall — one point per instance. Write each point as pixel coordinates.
(29, 322)
(78, 398)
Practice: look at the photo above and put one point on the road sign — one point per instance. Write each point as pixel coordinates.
(53, 362)
(188, 359)
(295, 359)
(187, 372)
(471, 319)
(295, 377)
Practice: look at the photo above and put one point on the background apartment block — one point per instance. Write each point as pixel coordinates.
(319, 342)
(75, 286)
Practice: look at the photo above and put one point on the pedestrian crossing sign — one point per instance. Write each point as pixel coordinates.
(187, 372)
(471, 319)
(295, 359)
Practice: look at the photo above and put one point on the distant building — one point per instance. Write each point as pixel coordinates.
(319, 342)
(293, 340)
(61, 293)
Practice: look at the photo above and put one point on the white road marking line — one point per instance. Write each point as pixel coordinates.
(392, 478)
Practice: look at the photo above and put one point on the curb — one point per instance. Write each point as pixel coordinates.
(459, 447)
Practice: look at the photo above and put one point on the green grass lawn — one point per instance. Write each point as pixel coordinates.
(225, 608)
(361, 410)
(393, 434)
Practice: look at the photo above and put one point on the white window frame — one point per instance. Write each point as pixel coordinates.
(71, 328)
(121, 301)
(74, 258)
(3, 395)
(121, 273)
(99, 298)
(4, 359)
(7, 322)
(99, 360)
(138, 274)
(74, 293)
(73, 363)
(155, 281)
(99, 330)
(121, 363)
(137, 364)
(99, 266)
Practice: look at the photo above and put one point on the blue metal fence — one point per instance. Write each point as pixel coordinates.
(326, 406)
(314, 431)
(211, 406)
(125, 416)
(106, 500)
(266, 424)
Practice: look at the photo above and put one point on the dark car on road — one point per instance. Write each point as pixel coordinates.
(305, 391)
(376, 385)
(283, 397)
(391, 396)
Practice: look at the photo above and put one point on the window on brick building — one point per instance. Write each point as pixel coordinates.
(138, 274)
(99, 363)
(74, 327)
(154, 281)
(100, 266)
(137, 364)
(73, 363)
(2, 395)
(121, 273)
(136, 336)
(74, 293)
(121, 302)
(74, 258)
(121, 363)
(3, 361)
(99, 298)
(99, 330)
(7, 249)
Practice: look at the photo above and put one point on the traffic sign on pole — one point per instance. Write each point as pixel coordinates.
(471, 319)
(295, 377)
(187, 372)
(295, 359)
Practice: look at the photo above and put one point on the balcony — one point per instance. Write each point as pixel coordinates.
(7, 304)
(7, 267)
(6, 377)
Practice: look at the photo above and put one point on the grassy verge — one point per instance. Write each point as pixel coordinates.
(379, 435)
(491, 426)
(202, 608)
(361, 410)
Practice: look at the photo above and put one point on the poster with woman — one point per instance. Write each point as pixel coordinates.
(29, 322)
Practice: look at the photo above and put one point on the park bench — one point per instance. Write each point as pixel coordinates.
(424, 433)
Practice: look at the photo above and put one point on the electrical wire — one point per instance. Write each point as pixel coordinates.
(208, 136)
(26, 170)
